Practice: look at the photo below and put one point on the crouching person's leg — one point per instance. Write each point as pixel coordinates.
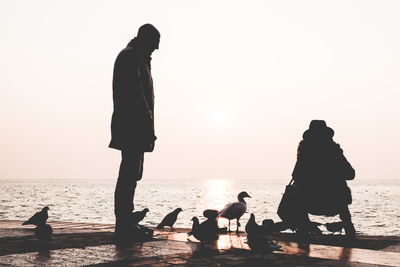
(303, 225)
(345, 216)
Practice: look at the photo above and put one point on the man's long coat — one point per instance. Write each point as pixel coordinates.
(132, 124)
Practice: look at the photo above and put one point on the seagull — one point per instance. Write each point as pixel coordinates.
(169, 219)
(43, 232)
(235, 210)
(138, 216)
(206, 231)
(39, 218)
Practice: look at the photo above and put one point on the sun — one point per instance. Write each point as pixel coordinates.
(220, 117)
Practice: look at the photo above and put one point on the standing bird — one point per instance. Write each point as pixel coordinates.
(235, 210)
(252, 228)
(39, 218)
(169, 219)
(206, 231)
(138, 216)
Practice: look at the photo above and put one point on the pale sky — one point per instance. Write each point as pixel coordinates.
(236, 85)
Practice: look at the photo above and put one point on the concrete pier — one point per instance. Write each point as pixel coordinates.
(82, 244)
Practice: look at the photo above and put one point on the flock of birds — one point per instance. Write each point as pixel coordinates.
(205, 231)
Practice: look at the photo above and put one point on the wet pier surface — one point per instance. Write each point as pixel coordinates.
(78, 244)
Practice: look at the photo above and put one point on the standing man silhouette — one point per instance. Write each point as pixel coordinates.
(132, 125)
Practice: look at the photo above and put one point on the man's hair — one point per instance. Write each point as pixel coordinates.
(148, 31)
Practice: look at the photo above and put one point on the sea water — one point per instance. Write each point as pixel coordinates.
(375, 209)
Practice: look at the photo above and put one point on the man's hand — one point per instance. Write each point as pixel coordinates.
(150, 146)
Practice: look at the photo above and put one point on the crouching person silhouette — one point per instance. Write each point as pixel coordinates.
(132, 125)
(320, 175)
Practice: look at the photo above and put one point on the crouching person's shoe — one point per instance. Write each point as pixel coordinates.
(350, 230)
(303, 234)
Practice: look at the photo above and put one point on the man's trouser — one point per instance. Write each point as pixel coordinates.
(130, 171)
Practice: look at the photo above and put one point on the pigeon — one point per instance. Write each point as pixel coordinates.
(39, 218)
(138, 216)
(43, 232)
(235, 210)
(255, 238)
(169, 219)
(335, 227)
(210, 214)
(268, 226)
(268, 223)
(252, 228)
(206, 231)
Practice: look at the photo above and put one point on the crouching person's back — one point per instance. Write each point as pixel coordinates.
(320, 173)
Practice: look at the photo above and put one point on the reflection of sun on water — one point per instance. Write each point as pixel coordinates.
(221, 222)
(217, 196)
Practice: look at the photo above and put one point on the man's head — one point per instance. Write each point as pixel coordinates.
(149, 38)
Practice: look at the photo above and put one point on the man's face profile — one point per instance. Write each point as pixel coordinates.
(152, 43)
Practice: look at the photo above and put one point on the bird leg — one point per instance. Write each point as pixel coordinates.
(237, 226)
(229, 226)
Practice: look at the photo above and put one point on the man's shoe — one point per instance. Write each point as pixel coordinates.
(133, 234)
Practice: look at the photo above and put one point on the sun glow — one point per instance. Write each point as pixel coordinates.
(216, 195)
(220, 117)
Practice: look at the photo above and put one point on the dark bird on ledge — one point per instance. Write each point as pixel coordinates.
(206, 231)
(43, 232)
(138, 216)
(169, 219)
(255, 238)
(268, 226)
(334, 227)
(39, 218)
(210, 214)
(252, 228)
(235, 210)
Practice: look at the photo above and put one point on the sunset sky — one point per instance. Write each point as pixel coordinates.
(236, 85)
